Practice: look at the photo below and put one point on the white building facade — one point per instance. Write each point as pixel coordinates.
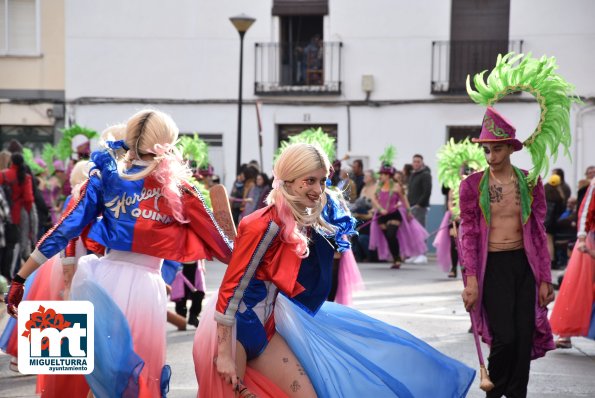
(183, 57)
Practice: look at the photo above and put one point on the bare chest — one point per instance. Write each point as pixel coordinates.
(505, 200)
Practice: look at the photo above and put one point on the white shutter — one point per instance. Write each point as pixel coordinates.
(3, 27)
(22, 27)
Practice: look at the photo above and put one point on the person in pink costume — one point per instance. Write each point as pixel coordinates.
(393, 230)
(411, 234)
(387, 219)
(573, 312)
(507, 267)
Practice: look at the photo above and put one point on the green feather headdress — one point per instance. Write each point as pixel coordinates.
(48, 154)
(64, 147)
(552, 92)
(194, 149)
(388, 156)
(311, 136)
(452, 156)
(30, 161)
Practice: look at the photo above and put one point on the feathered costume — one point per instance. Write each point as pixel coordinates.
(452, 158)
(514, 73)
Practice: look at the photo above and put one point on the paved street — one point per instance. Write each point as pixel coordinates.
(417, 298)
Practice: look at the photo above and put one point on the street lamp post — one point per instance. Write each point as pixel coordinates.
(242, 23)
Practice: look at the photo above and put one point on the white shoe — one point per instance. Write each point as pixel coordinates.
(409, 260)
(421, 259)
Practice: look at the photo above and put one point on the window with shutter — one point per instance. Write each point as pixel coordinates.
(19, 27)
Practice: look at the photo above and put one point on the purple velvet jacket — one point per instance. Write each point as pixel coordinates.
(473, 235)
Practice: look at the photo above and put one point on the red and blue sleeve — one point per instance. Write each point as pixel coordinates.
(251, 245)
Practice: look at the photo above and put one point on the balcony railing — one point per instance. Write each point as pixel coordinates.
(452, 61)
(297, 69)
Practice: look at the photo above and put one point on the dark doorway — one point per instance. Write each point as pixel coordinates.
(459, 133)
(284, 131)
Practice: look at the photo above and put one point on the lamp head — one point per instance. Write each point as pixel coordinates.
(242, 22)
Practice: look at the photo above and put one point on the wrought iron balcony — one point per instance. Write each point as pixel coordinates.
(297, 68)
(452, 61)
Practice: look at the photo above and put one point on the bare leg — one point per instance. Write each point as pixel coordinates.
(279, 364)
(241, 359)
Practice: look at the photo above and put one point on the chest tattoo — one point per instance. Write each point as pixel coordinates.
(505, 195)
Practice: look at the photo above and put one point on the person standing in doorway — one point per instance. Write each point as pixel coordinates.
(418, 194)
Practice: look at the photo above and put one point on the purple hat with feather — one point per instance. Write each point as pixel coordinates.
(496, 129)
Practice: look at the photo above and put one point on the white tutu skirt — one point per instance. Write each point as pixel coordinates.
(132, 283)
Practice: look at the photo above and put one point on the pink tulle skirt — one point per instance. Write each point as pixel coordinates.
(378, 241)
(350, 279)
(572, 311)
(177, 287)
(442, 244)
(411, 235)
(205, 349)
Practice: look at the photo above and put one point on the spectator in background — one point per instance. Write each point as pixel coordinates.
(584, 184)
(357, 174)
(236, 197)
(257, 195)
(363, 211)
(336, 173)
(565, 232)
(563, 187)
(555, 207)
(347, 186)
(250, 172)
(59, 179)
(254, 163)
(21, 200)
(5, 245)
(418, 194)
(407, 171)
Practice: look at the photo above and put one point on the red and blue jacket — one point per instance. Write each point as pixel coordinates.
(260, 254)
(135, 217)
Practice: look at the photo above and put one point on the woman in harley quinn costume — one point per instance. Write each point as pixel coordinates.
(149, 212)
(308, 348)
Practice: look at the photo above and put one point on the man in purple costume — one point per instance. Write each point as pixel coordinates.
(504, 253)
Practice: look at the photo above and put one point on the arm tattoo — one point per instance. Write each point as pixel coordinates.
(222, 335)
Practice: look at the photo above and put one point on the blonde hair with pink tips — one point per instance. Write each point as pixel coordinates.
(152, 132)
(296, 161)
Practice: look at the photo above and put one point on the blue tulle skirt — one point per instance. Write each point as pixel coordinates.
(117, 366)
(348, 354)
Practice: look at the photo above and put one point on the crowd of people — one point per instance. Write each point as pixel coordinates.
(272, 329)
(31, 201)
